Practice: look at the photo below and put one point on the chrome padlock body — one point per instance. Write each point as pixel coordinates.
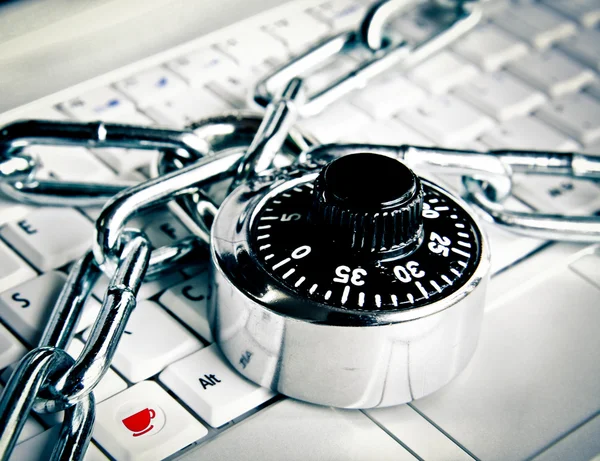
(317, 352)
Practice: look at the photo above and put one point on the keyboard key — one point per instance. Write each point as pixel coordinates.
(152, 340)
(500, 95)
(586, 12)
(584, 48)
(104, 103)
(71, 163)
(210, 387)
(387, 95)
(40, 447)
(588, 266)
(441, 72)
(552, 72)
(330, 434)
(417, 433)
(390, 132)
(578, 115)
(582, 444)
(525, 365)
(594, 89)
(292, 31)
(11, 349)
(553, 194)
(165, 229)
(203, 66)
(251, 46)
(50, 237)
(186, 108)
(339, 14)
(13, 269)
(490, 47)
(334, 122)
(535, 24)
(235, 89)
(144, 423)
(527, 133)
(11, 210)
(151, 86)
(447, 120)
(26, 308)
(188, 301)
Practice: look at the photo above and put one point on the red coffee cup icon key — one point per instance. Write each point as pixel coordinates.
(140, 423)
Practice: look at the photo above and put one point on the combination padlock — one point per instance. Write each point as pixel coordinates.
(356, 284)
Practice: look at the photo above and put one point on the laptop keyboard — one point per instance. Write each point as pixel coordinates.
(526, 77)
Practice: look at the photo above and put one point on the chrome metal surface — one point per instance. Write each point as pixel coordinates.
(384, 51)
(323, 354)
(17, 167)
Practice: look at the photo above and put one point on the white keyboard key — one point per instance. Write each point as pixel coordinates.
(527, 133)
(418, 434)
(500, 95)
(104, 103)
(151, 86)
(588, 266)
(203, 66)
(125, 160)
(11, 210)
(441, 72)
(165, 229)
(152, 340)
(71, 163)
(583, 443)
(558, 195)
(251, 46)
(490, 47)
(13, 269)
(291, 427)
(446, 120)
(334, 122)
(40, 447)
(552, 72)
(50, 237)
(584, 48)
(578, 115)
(586, 12)
(235, 89)
(391, 132)
(210, 387)
(11, 348)
(339, 14)
(535, 24)
(323, 76)
(292, 31)
(144, 423)
(524, 365)
(27, 307)
(387, 95)
(188, 301)
(187, 107)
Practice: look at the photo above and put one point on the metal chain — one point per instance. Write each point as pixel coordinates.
(48, 380)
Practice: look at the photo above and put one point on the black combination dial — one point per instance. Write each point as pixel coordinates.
(366, 234)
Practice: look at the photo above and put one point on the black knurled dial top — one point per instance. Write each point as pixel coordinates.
(369, 203)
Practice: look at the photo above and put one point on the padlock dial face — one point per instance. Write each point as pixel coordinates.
(306, 259)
